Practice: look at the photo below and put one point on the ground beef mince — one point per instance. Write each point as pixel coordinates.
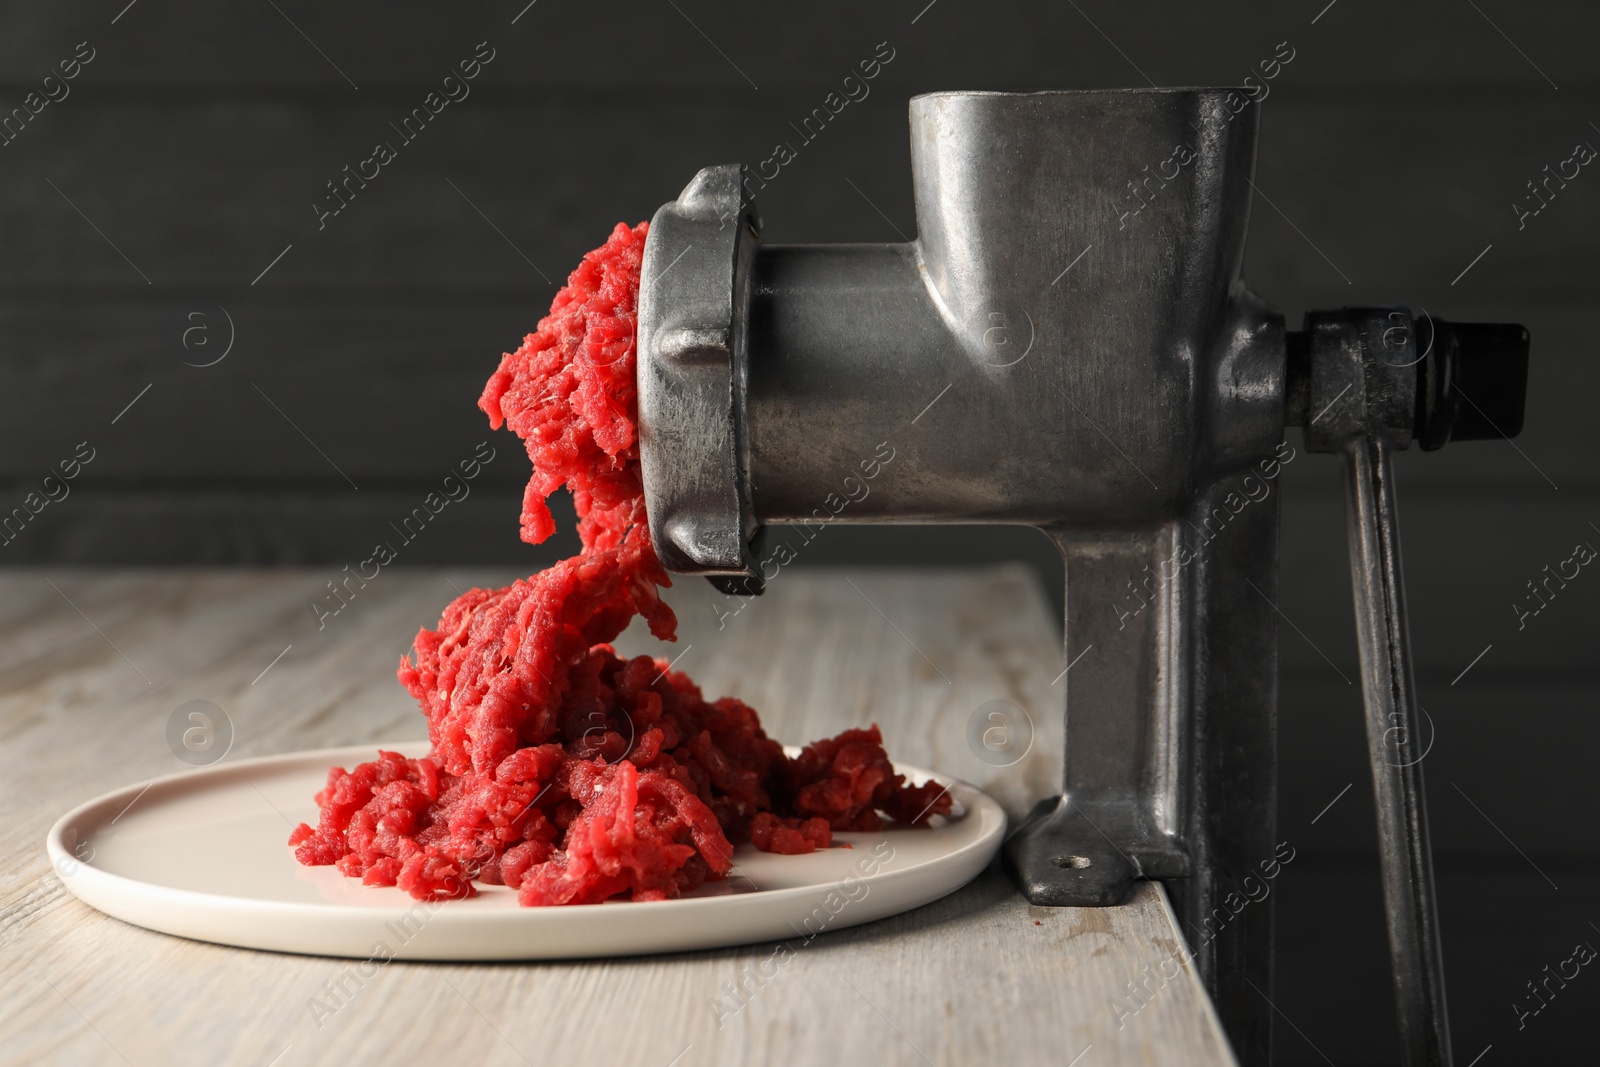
(559, 768)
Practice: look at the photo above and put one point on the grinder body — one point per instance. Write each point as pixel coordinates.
(1067, 344)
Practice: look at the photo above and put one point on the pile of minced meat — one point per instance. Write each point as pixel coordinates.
(559, 768)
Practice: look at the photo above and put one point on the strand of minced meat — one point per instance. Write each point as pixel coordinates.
(559, 768)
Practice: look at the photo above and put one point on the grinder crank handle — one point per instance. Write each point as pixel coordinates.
(1390, 698)
(1379, 379)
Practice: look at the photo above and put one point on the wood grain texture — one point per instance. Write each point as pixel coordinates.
(201, 192)
(386, 43)
(88, 686)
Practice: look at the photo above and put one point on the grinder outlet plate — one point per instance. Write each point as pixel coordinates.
(204, 855)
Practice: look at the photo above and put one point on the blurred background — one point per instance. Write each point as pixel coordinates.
(261, 379)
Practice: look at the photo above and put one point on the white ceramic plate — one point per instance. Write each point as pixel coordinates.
(204, 855)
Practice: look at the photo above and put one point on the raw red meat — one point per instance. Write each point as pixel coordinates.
(558, 768)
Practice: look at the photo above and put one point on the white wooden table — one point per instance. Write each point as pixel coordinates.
(92, 663)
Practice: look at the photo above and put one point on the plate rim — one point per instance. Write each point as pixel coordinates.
(99, 877)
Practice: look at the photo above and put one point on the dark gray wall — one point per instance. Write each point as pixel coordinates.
(191, 149)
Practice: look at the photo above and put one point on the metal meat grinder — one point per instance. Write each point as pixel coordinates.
(1074, 288)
